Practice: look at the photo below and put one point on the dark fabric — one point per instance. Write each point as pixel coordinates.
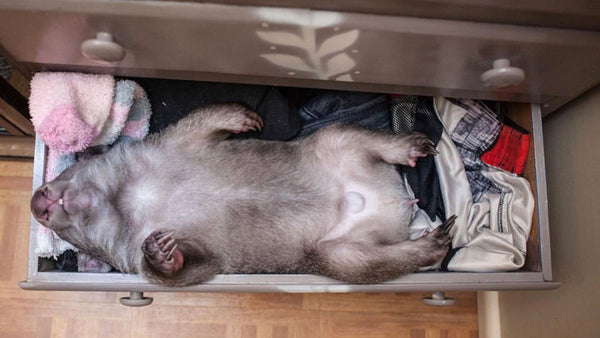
(67, 261)
(416, 114)
(173, 99)
(299, 97)
(510, 150)
(327, 107)
(448, 258)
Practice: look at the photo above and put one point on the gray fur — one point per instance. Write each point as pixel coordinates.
(244, 206)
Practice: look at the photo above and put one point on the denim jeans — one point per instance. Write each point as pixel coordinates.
(367, 110)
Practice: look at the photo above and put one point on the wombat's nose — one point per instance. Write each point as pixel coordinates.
(40, 203)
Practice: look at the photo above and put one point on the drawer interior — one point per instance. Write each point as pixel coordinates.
(530, 273)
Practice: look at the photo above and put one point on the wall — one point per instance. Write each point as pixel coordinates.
(571, 140)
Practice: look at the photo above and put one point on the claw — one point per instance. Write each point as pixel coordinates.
(162, 254)
(168, 246)
(170, 254)
(449, 224)
(163, 238)
(255, 119)
(430, 148)
(257, 124)
(158, 234)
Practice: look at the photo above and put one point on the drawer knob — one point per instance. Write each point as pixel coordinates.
(438, 298)
(136, 299)
(103, 49)
(503, 75)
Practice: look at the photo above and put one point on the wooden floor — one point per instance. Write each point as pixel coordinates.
(99, 314)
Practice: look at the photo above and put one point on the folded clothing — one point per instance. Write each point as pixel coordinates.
(129, 115)
(69, 110)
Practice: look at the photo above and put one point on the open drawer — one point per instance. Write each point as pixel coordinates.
(317, 49)
(535, 274)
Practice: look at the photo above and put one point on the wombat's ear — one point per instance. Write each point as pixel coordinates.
(91, 152)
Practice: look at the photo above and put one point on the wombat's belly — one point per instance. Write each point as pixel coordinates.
(365, 207)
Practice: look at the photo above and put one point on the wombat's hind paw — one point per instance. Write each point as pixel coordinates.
(437, 242)
(161, 252)
(241, 120)
(448, 225)
(420, 146)
(441, 234)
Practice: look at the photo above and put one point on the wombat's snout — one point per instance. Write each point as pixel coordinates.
(41, 203)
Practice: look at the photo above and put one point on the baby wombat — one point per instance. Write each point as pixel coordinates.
(186, 204)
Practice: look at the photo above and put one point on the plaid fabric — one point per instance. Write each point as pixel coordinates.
(473, 135)
(471, 159)
(478, 129)
(481, 185)
(510, 151)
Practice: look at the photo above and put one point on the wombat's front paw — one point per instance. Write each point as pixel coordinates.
(240, 119)
(439, 240)
(160, 251)
(418, 146)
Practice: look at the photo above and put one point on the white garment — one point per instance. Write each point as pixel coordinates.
(492, 233)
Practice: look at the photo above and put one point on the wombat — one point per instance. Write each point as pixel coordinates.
(188, 203)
